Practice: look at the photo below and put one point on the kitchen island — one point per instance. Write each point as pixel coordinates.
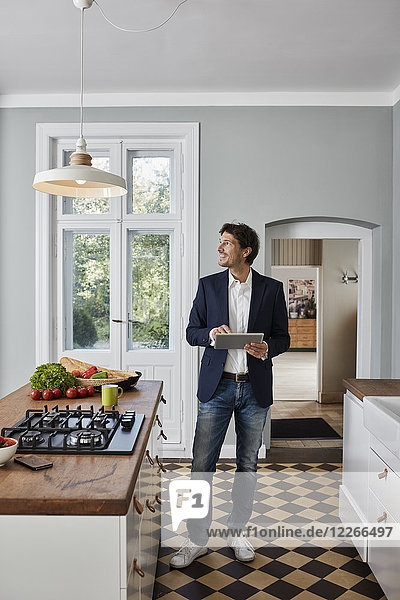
(89, 526)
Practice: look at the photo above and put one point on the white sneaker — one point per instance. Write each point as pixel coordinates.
(242, 548)
(187, 554)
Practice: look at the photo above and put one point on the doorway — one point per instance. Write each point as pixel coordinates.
(330, 230)
(296, 375)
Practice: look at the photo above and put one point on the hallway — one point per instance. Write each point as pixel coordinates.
(295, 394)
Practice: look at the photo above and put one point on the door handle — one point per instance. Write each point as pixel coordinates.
(149, 506)
(160, 464)
(151, 461)
(383, 517)
(138, 506)
(138, 570)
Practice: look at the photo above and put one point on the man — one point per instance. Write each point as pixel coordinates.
(235, 382)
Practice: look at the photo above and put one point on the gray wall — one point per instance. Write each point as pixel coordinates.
(396, 242)
(258, 165)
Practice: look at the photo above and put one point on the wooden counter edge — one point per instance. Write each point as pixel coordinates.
(361, 387)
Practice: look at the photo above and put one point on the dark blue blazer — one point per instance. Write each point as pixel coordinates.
(268, 314)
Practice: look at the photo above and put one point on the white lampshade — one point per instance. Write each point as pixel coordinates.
(63, 182)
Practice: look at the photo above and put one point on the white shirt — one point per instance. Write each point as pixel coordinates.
(239, 296)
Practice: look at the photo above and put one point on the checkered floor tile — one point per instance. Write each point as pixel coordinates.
(302, 572)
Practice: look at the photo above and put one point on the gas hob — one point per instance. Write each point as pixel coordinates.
(76, 431)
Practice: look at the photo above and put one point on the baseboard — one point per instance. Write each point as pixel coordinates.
(228, 452)
(283, 455)
(330, 397)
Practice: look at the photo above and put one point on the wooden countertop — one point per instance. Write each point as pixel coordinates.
(76, 485)
(372, 387)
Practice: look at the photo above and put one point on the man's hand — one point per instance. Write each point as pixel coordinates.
(257, 350)
(220, 329)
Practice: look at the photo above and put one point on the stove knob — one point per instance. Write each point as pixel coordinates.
(128, 419)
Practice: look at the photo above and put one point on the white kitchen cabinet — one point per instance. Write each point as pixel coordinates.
(353, 493)
(370, 493)
(384, 509)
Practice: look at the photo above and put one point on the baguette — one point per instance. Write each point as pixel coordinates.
(73, 364)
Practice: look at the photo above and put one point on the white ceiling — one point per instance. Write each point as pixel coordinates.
(208, 46)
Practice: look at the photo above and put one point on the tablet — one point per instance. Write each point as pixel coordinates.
(231, 341)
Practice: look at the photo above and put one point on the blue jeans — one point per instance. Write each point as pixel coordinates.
(212, 423)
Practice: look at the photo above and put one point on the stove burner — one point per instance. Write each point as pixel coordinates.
(52, 420)
(32, 437)
(100, 420)
(84, 437)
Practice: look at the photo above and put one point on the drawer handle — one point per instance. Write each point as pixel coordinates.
(162, 434)
(158, 499)
(383, 475)
(382, 518)
(162, 399)
(163, 469)
(149, 506)
(157, 419)
(138, 505)
(151, 461)
(137, 569)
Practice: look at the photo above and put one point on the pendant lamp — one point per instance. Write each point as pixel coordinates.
(80, 179)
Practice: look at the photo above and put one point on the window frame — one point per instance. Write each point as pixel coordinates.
(175, 214)
(186, 136)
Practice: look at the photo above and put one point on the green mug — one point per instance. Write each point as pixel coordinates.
(110, 394)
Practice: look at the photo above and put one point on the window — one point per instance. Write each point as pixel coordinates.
(112, 292)
(87, 289)
(149, 181)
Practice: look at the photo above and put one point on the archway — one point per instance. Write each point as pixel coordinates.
(368, 235)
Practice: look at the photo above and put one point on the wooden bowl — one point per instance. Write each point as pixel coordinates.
(127, 380)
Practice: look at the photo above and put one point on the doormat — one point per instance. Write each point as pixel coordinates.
(314, 428)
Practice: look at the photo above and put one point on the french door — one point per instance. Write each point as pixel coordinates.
(120, 298)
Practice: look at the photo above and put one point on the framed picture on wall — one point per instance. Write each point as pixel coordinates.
(301, 294)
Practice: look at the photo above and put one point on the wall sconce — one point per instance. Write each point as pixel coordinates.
(346, 278)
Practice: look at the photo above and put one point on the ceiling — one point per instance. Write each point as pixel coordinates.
(208, 46)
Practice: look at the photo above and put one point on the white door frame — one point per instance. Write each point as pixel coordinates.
(320, 229)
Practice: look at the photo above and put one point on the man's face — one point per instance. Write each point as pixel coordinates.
(231, 255)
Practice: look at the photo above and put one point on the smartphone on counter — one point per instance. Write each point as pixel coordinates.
(36, 463)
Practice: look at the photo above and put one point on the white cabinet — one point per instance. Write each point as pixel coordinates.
(370, 493)
(353, 493)
(384, 509)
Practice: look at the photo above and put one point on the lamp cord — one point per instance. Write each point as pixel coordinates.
(138, 30)
(81, 99)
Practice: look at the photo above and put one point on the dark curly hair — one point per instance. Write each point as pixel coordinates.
(246, 236)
